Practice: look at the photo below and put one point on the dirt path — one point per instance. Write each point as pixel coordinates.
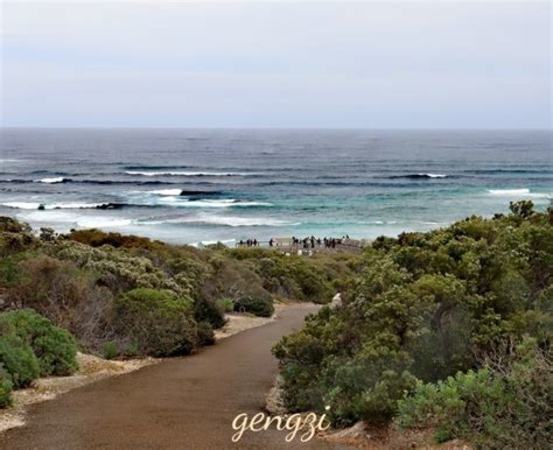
(183, 403)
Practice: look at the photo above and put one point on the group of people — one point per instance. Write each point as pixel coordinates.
(312, 242)
(306, 243)
(249, 243)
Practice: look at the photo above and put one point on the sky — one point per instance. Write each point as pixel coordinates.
(276, 64)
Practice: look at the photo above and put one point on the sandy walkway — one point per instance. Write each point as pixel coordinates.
(91, 369)
(182, 403)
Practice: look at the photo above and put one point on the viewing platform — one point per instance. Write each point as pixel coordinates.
(307, 246)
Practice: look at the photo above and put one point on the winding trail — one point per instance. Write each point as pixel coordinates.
(182, 403)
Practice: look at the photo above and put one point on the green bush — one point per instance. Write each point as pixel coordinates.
(225, 304)
(506, 404)
(18, 359)
(313, 279)
(205, 334)
(259, 306)
(423, 306)
(97, 238)
(67, 295)
(75, 279)
(9, 271)
(14, 236)
(55, 348)
(157, 321)
(210, 312)
(110, 350)
(5, 388)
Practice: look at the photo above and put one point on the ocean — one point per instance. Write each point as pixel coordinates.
(192, 186)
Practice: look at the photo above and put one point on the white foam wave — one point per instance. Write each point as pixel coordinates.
(52, 180)
(102, 222)
(21, 205)
(243, 221)
(523, 192)
(179, 201)
(215, 203)
(229, 221)
(75, 220)
(241, 203)
(433, 175)
(508, 191)
(35, 205)
(169, 192)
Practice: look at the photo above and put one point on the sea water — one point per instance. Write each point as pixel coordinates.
(190, 186)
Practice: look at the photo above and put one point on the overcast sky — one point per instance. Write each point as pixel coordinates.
(326, 65)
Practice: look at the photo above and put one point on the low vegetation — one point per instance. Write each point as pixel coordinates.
(127, 296)
(260, 306)
(449, 329)
(507, 403)
(31, 347)
(155, 322)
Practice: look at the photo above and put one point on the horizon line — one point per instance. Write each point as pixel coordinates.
(263, 128)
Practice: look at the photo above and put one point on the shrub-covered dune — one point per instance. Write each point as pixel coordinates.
(107, 288)
(123, 296)
(449, 329)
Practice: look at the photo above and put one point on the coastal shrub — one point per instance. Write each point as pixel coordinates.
(11, 225)
(63, 293)
(208, 311)
(205, 334)
(231, 279)
(424, 306)
(56, 350)
(98, 238)
(9, 271)
(12, 242)
(110, 350)
(366, 389)
(522, 208)
(18, 359)
(14, 236)
(54, 347)
(75, 280)
(506, 404)
(311, 280)
(225, 304)
(315, 278)
(126, 262)
(47, 234)
(157, 321)
(5, 388)
(260, 306)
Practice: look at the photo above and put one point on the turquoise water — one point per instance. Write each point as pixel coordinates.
(190, 186)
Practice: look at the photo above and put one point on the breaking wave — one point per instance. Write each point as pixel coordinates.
(229, 221)
(416, 176)
(524, 192)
